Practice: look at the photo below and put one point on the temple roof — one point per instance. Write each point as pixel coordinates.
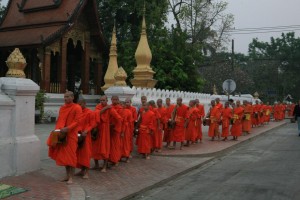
(40, 22)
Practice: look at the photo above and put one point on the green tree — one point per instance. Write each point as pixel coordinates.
(281, 64)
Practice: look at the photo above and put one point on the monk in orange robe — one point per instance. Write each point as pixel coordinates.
(201, 114)
(163, 119)
(226, 117)
(236, 128)
(101, 145)
(84, 151)
(268, 111)
(177, 135)
(214, 116)
(146, 129)
(191, 123)
(115, 132)
(256, 111)
(262, 113)
(133, 119)
(290, 109)
(67, 123)
(246, 121)
(126, 133)
(219, 105)
(283, 110)
(167, 129)
(157, 134)
(277, 110)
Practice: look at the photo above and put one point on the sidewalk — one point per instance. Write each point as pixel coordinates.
(126, 179)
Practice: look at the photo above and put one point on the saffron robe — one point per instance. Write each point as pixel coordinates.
(157, 134)
(115, 134)
(65, 154)
(201, 114)
(167, 130)
(191, 131)
(133, 120)
(214, 116)
(126, 140)
(101, 146)
(226, 117)
(236, 128)
(177, 135)
(144, 141)
(247, 122)
(87, 123)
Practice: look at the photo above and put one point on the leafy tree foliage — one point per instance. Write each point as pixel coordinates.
(2, 10)
(280, 65)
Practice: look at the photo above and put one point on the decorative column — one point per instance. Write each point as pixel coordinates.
(98, 74)
(46, 70)
(85, 69)
(63, 65)
(112, 68)
(143, 73)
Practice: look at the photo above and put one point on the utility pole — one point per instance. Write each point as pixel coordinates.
(232, 54)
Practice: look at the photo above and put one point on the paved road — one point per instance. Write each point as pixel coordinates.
(267, 168)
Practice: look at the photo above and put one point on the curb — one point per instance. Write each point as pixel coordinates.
(214, 155)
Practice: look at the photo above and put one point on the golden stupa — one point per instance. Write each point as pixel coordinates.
(143, 73)
(109, 78)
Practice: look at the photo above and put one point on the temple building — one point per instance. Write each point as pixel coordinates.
(61, 41)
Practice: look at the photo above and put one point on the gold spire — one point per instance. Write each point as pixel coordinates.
(16, 64)
(215, 90)
(143, 73)
(120, 77)
(112, 68)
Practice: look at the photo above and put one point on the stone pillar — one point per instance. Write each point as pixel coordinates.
(63, 65)
(46, 70)
(19, 146)
(85, 70)
(98, 75)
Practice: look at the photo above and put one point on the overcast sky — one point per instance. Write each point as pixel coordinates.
(259, 13)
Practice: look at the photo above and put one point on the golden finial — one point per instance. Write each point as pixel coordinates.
(215, 90)
(120, 77)
(16, 64)
(256, 95)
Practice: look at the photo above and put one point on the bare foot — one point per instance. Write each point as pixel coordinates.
(86, 176)
(70, 181)
(103, 170)
(147, 157)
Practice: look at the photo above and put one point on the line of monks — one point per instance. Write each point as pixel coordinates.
(107, 133)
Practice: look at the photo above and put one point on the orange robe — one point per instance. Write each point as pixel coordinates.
(65, 154)
(201, 114)
(157, 134)
(133, 119)
(268, 113)
(277, 111)
(246, 122)
(126, 140)
(177, 135)
(167, 130)
(191, 131)
(226, 116)
(86, 123)
(115, 135)
(214, 116)
(163, 121)
(291, 108)
(256, 114)
(144, 141)
(101, 146)
(236, 128)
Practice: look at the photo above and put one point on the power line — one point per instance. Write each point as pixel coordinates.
(256, 32)
(264, 28)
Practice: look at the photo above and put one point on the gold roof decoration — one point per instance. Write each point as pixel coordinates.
(112, 68)
(120, 77)
(256, 95)
(16, 56)
(143, 73)
(16, 64)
